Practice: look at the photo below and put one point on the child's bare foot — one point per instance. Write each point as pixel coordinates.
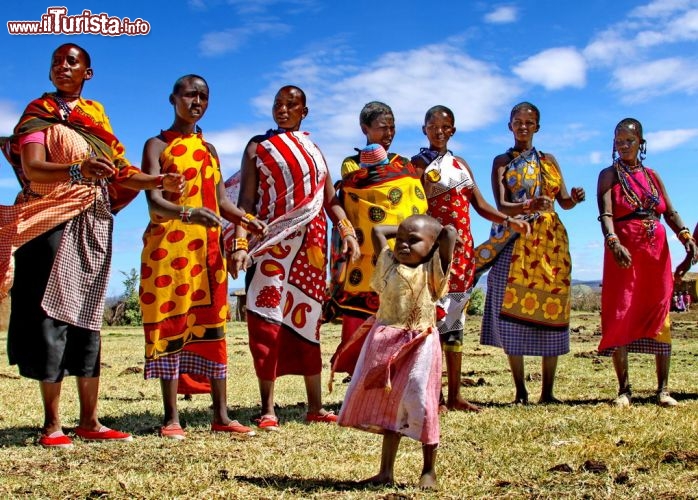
(463, 405)
(378, 480)
(443, 409)
(428, 481)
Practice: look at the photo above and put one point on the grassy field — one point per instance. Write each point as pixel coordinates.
(584, 448)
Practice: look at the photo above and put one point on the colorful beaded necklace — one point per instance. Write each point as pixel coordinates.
(642, 199)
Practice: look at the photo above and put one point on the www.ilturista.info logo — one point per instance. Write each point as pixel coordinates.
(56, 21)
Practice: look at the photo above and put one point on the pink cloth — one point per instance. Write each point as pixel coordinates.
(635, 302)
(396, 384)
(38, 137)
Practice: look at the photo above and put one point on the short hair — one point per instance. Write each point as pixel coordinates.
(88, 59)
(439, 109)
(373, 110)
(429, 222)
(293, 87)
(525, 105)
(631, 122)
(180, 81)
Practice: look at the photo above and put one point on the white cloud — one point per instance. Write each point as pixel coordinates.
(260, 6)
(409, 81)
(554, 68)
(221, 42)
(661, 8)
(669, 139)
(640, 81)
(654, 25)
(596, 157)
(231, 143)
(502, 15)
(8, 117)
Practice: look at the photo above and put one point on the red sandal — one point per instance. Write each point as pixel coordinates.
(268, 423)
(55, 440)
(232, 426)
(326, 418)
(103, 434)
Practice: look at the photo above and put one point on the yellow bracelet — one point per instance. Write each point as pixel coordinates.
(240, 244)
(246, 219)
(345, 228)
(684, 235)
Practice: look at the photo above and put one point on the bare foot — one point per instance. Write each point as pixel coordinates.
(378, 480)
(464, 405)
(428, 481)
(443, 409)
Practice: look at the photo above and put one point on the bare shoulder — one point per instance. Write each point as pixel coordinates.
(155, 144)
(501, 160)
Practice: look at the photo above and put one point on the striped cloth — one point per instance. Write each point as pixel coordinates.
(286, 288)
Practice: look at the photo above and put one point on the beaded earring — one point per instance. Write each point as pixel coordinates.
(614, 155)
(643, 150)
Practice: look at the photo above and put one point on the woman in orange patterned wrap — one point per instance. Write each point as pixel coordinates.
(73, 173)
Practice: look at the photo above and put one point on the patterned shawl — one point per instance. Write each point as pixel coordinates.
(88, 119)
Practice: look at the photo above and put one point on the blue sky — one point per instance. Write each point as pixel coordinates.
(586, 65)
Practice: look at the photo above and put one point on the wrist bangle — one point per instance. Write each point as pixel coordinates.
(75, 173)
(185, 214)
(239, 244)
(246, 219)
(345, 228)
(684, 235)
(505, 221)
(612, 240)
(526, 207)
(159, 183)
(605, 214)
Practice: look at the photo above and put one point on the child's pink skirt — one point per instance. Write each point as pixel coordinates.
(396, 384)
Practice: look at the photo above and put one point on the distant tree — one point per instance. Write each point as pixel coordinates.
(585, 298)
(126, 310)
(476, 305)
(132, 305)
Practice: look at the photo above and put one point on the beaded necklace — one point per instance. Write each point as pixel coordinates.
(643, 201)
(64, 106)
(642, 206)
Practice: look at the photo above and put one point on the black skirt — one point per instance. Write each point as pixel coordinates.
(43, 348)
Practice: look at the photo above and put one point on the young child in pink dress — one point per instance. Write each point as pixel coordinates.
(396, 385)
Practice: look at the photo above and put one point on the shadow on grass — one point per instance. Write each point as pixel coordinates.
(148, 423)
(310, 485)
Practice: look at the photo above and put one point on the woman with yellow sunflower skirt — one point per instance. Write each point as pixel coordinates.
(528, 287)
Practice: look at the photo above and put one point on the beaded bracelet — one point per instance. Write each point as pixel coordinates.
(185, 214)
(684, 235)
(160, 182)
(239, 244)
(246, 219)
(612, 240)
(75, 172)
(605, 214)
(345, 228)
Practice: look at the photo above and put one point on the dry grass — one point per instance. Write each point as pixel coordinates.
(582, 449)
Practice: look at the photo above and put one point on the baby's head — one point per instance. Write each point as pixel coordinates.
(416, 239)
